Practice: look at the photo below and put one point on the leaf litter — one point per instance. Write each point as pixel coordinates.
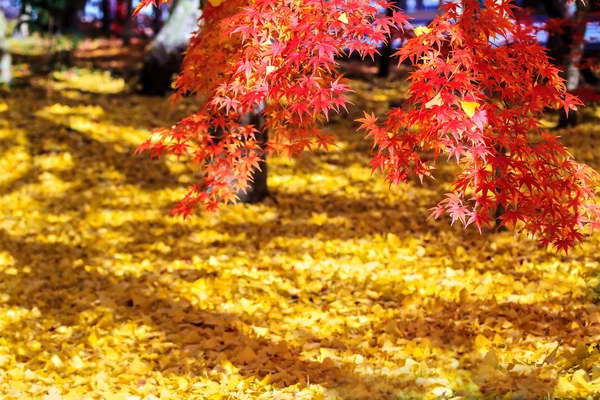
(341, 291)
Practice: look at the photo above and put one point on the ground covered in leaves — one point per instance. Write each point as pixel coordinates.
(343, 290)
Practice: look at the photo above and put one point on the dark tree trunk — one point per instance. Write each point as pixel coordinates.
(258, 189)
(106, 17)
(386, 53)
(500, 208)
(157, 20)
(69, 20)
(164, 55)
(128, 27)
(121, 18)
(566, 48)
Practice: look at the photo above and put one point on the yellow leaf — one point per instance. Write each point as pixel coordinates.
(199, 287)
(229, 367)
(233, 382)
(327, 363)
(436, 101)
(76, 362)
(216, 3)
(56, 361)
(594, 318)
(498, 339)
(18, 386)
(421, 30)
(596, 375)
(247, 355)
(139, 367)
(551, 358)
(393, 240)
(482, 342)
(327, 352)
(574, 326)
(441, 391)
(343, 18)
(182, 383)
(581, 379)
(463, 296)
(391, 327)
(117, 396)
(111, 354)
(581, 351)
(259, 330)
(491, 359)
(190, 336)
(266, 380)
(469, 107)
(93, 339)
(314, 286)
(3, 107)
(74, 394)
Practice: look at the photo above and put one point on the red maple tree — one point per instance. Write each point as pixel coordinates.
(480, 85)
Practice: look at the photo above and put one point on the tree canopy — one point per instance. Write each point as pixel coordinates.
(479, 89)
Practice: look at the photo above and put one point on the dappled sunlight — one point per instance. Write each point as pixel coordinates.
(82, 79)
(36, 44)
(88, 120)
(384, 91)
(342, 289)
(16, 161)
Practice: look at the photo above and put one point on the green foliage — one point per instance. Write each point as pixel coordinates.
(43, 15)
(48, 5)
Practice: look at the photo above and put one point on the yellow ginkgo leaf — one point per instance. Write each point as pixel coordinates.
(139, 367)
(343, 18)
(482, 342)
(436, 101)
(182, 383)
(216, 3)
(469, 107)
(3, 107)
(491, 359)
(422, 30)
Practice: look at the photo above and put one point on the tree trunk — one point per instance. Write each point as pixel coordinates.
(164, 55)
(128, 27)
(5, 59)
(386, 52)
(121, 18)
(566, 48)
(106, 17)
(22, 27)
(157, 20)
(258, 190)
(163, 59)
(70, 17)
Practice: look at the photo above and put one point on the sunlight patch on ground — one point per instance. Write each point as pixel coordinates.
(85, 80)
(342, 290)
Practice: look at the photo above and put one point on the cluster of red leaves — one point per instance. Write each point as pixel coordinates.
(471, 99)
(560, 26)
(273, 56)
(481, 104)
